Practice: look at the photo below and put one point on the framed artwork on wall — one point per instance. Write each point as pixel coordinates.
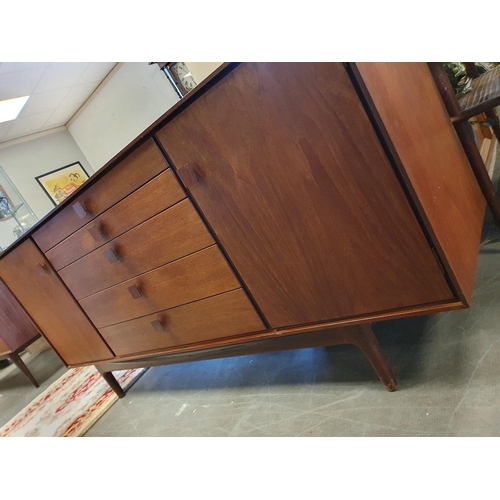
(60, 183)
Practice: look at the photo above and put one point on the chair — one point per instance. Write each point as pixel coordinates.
(483, 97)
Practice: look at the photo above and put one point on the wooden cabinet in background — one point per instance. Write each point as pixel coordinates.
(17, 330)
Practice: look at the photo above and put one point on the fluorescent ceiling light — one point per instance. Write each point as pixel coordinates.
(10, 108)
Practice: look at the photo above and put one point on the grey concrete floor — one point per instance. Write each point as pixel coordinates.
(447, 365)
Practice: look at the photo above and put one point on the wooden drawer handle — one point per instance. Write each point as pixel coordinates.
(80, 210)
(44, 268)
(135, 291)
(188, 175)
(159, 326)
(96, 232)
(111, 255)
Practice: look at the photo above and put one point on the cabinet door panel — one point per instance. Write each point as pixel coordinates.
(55, 311)
(292, 178)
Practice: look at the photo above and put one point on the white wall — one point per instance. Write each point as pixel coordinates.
(200, 70)
(131, 98)
(23, 161)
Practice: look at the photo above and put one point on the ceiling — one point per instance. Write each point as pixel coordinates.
(57, 91)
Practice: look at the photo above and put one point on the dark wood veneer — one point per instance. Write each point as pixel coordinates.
(131, 173)
(299, 192)
(433, 162)
(199, 275)
(224, 315)
(54, 310)
(170, 235)
(149, 200)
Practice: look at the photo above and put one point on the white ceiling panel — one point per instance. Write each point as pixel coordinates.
(79, 94)
(60, 75)
(61, 116)
(45, 101)
(19, 83)
(8, 67)
(27, 125)
(96, 72)
(57, 90)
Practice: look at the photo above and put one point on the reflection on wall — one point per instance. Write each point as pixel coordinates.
(130, 99)
(16, 216)
(24, 161)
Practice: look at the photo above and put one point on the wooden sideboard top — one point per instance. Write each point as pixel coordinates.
(212, 79)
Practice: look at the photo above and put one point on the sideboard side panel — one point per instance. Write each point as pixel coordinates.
(437, 171)
(38, 288)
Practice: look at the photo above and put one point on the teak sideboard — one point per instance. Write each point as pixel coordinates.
(277, 206)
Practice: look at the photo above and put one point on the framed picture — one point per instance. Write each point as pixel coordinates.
(60, 183)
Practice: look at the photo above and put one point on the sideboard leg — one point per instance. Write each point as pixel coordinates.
(366, 341)
(16, 359)
(113, 383)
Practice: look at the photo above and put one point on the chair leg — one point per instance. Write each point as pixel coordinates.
(496, 126)
(479, 169)
(16, 359)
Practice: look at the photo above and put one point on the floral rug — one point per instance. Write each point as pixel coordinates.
(70, 406)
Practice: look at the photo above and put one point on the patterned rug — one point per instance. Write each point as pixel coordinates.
(70, 406)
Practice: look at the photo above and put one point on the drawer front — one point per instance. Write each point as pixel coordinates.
(168, 236)
(158, 194)
(202, 274)
(130, 174)
(224, 315)
(38, 288)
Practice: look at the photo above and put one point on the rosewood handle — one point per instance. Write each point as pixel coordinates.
(44, 268)
(111, 255)
(96, 232)
(159, 326)
(188, 175)
(135, 291)
(80, 210)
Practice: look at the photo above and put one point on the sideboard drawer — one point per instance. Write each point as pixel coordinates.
(131, 173)
(168, 236)
(224, 315)
(158, 194)
(202, 274)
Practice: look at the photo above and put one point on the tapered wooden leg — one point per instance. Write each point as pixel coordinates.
(113, 383)
(364, 338)
(16, 359)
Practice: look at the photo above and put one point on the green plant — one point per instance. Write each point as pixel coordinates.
(457, 74)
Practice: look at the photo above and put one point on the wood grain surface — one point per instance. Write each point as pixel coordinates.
(17, 328)
(408, 102)
(37, 286)
(191, 278)
(152, 198)
(170, 235)
(131, 173)
(297, 188)
(223, 315)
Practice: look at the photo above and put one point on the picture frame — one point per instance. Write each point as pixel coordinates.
(58, 184)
